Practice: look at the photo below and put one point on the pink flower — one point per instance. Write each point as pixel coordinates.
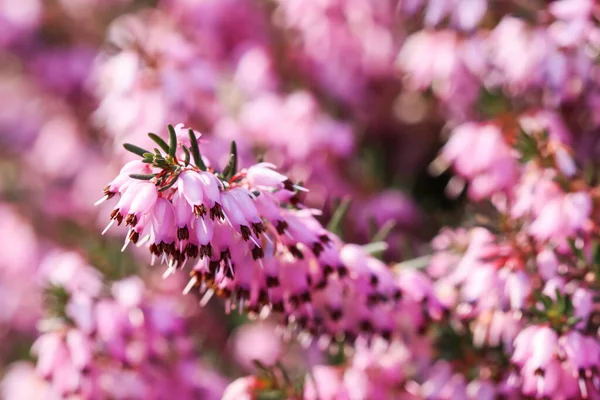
(241, 389)
(439, 59)
(479, 153)
(257, 341)
(465, 14)
(22, 381)
(327, 385)
(116, 346)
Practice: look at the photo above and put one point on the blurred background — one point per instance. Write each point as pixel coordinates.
(354, 98)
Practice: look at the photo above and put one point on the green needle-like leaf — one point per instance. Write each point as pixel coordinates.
(231, 167)
(142, 177)
(172, 141)
(196, 151)
(383, 232)
(135, 149)
(186, 159)
(335, 224)
(173, 180)
(159, 141)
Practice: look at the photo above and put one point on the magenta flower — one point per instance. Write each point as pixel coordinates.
(479, 154)
(116, 346)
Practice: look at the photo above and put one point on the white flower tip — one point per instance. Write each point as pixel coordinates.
(168, 272)
(112, 221)
(207, 296)
(127, 241)
(102, 200)
(300, 188)
(190, 285)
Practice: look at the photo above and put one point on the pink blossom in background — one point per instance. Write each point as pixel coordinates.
(18, 22)
(19, 285)
(21, 381)
(106, 348)
(480, 155)
(257, 341)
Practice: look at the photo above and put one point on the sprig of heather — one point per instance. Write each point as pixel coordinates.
(251, 241)
(527, 284)
(117, 341)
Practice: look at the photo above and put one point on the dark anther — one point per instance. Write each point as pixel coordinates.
(154, 249)
(131, 220)
(335, 314)
(372, 299)
(296, 252)
(305, 297)
(213, 266)
(281, 227)
(245, 231)
(200, 210)
(374, 280)
(206, 250)
(288, 185)
(244, 293)
(366, 326)
(230, 271)
(257, 252)
(134, 237)
(317, 248)
(191, 250)
(109, 195)
(321, 284)
(272, 281)
(183, 233)
(263, 296)
(169, 247)
(225, 255)
(217, 212)
(325, 239)
(258, 228)
(293, 300)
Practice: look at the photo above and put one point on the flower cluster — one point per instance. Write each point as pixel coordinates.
(116, 342)
(515, 296)
(529, 286)
(252, 242)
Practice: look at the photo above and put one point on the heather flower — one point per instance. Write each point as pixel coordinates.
(464, 14)
(259, 334)
(64, 71)
(242, 389)
(516, 53)
(18, 22)
(309, 130)
(250, 241)
(353, 47)
(19, 265)
(327, 384)
(539, 351)
(22, 381)
(555, 214)
(116, 346)
(148, 89)
(479, 154)
(440, 60)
